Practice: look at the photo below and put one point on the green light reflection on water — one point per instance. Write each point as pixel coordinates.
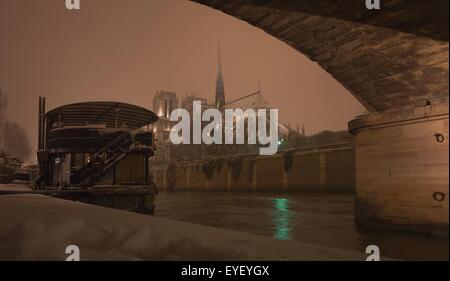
(282, 219)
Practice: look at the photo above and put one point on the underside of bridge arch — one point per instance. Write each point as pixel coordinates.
(395, 62)
(388, 58)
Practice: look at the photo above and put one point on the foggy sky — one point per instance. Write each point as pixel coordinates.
(126, 50)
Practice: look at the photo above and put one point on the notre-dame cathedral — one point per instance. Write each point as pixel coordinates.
(164, 102)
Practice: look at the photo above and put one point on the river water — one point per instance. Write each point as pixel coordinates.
(322, 219)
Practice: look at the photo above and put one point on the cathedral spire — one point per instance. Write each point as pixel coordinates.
(220, 88)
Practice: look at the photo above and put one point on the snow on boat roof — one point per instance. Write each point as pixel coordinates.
(109, 113)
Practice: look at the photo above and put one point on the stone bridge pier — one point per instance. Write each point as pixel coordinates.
(395, 62)
(401, 162)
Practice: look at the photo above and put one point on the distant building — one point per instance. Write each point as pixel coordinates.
(254, 101)
(163, 104)
(219, 101)
(187, 103)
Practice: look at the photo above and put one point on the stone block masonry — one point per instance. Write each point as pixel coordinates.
(319, 169)
(401, 169)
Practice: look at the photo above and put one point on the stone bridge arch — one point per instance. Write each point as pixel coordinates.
(393, 57)
(395, 62)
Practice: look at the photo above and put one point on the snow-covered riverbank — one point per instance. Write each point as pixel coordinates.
(37, 227)
(13, 188)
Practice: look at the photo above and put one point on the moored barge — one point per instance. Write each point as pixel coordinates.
(97, 153)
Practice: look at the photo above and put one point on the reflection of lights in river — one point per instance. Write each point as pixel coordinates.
(282, 219)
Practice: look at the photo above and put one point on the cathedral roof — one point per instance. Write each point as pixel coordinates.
(255, 100)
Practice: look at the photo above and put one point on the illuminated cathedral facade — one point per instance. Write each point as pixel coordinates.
(164, 102)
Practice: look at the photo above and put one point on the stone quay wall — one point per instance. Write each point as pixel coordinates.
(327, 168)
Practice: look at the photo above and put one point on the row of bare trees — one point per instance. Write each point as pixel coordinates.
(14, 141)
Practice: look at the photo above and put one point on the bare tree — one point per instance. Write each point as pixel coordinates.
(3, 103)
(13, 139)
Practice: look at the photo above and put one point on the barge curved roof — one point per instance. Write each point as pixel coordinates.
(109, 113)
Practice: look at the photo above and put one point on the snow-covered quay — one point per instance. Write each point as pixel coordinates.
(38, 227)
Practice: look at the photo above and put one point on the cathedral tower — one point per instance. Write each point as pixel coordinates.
(219, 101)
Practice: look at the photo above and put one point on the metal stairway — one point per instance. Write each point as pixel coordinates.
(101, 161)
